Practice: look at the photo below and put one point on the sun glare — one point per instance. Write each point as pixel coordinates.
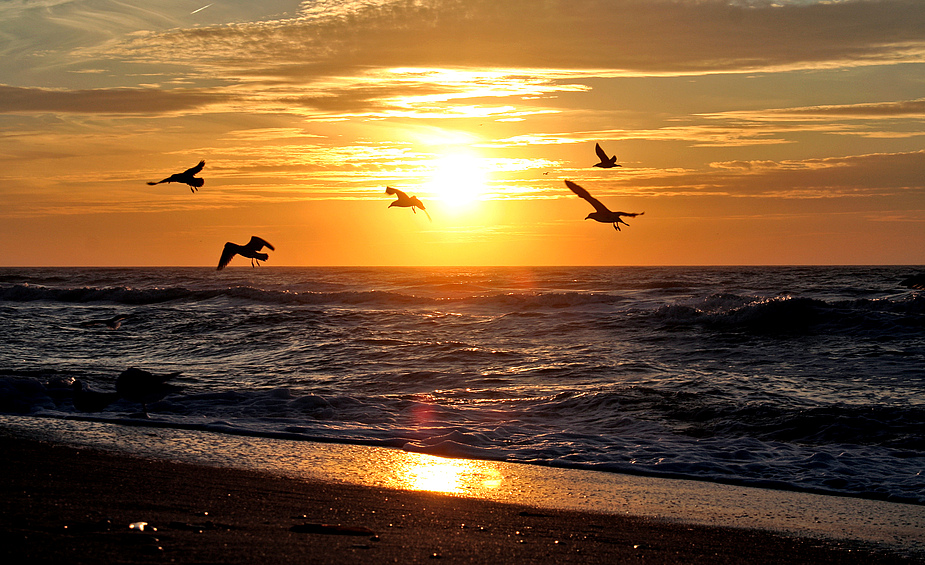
(439, 474)
(458, 180)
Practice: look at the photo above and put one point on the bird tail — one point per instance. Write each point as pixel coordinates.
(197, 182)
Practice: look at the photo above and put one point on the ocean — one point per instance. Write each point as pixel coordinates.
(796, 378)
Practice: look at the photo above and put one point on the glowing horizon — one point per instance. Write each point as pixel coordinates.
(740, 148)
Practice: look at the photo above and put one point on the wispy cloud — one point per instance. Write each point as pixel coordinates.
(630, 36)
(104, 101)
(873, 110)
(869, 175)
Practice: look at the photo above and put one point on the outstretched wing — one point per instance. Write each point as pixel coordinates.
(256, 244)
(192, 171)
(600, 153)
(228, 252)
(629, 214)
(581, 192)
(395, 192)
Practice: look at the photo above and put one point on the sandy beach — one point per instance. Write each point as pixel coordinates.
(65, 503)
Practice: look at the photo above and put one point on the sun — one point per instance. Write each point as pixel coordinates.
(458, 180)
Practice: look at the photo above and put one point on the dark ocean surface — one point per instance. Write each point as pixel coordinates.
(806, 378)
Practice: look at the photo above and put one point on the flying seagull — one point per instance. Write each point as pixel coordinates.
(91, 400)
(187, 177)
(111, 323)
(138, 385)
(251, 250)
(606, 162)
(405, 201)
(601, 213)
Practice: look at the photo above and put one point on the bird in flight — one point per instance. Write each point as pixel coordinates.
(405, 201)
(187, 177)
(601, 213)
(251, 250)
(606, 162)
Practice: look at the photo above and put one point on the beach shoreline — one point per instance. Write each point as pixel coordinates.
(74, 503)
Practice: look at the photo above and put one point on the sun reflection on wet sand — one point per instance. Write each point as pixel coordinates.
(416, 471)
(544, 487)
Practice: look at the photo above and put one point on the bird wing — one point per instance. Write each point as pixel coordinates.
(581, 192)
(193, 170)
(257, 243)
(395, 192)
(600, 153)
(230, 250)
(629, 214)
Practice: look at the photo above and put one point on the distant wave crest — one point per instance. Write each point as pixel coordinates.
(133, 296)
(786, 314)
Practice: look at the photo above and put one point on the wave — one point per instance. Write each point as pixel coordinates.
(866, 451)
(135, 296)
(798, 315)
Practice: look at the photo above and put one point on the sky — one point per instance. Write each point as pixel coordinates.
(749, 132)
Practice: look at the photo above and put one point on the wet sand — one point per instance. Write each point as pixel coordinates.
(67, 504)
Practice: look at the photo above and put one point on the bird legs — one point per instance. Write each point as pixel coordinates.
(619, 221)
(255, 261)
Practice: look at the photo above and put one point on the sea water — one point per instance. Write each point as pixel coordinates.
(801, 378)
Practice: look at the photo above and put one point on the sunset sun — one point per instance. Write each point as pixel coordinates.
(458, 180)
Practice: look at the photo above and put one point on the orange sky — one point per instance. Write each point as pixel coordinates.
(749, 132)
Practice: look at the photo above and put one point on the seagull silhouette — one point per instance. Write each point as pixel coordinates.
(606, 162)
(405, 201)
(251, 250)
(601, 213)
(111, 323)
(91, 400)
(187, 177)
(138, 385)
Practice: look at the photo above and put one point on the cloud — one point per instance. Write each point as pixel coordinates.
(630, 36)
(878, 174)
(899, 109)
(103, 101)
(698, 135)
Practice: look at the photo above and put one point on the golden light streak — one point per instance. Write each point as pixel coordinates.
(452, 476)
